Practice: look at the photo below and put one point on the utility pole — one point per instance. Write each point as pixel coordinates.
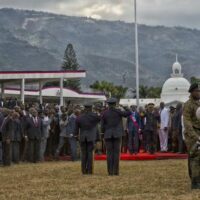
(136, 56)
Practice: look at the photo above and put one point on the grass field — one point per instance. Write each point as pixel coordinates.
(155, 180)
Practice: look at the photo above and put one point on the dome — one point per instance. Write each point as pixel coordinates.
(176, 65)
(177, 69)
(175, 89)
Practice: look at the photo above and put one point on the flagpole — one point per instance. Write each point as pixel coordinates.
(136, 56)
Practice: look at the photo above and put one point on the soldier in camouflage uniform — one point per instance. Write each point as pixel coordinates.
(192, 134)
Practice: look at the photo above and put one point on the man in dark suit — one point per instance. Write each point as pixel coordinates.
(1, 121)
(133, 127)
(16, 137)
(86, 124)
(112, 128)
(7, 131)
(151, 123)
(70, 128)
(34, 133)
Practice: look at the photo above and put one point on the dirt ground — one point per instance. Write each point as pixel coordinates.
(138, 180)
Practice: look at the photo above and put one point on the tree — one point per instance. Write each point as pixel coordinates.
(69, 60)
(194, 80)
(143, 91)
(150, 92)
(70, 63)
(109, 89)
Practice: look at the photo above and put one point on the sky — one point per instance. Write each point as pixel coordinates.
(151, 12)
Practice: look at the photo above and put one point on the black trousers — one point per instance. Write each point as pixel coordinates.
(87, 157)
(6, 153)
(113, 154)
(16, 151)
(33, 150)
(151, 138)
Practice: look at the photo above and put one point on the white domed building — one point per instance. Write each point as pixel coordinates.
(175, 89)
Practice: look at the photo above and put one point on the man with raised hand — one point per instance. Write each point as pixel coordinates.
(112, 127)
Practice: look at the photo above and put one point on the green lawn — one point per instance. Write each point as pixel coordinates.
(164, 180)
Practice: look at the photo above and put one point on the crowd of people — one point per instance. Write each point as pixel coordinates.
(32, 132)
(154, 129)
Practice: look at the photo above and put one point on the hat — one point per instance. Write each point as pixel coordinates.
(88, 105)
(194, 86)
(98, 106)
(112, 101)
(151, 104)
(133, 106)
(172, 108)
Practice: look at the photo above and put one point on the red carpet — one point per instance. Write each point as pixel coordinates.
(127, 156)
(146, 156)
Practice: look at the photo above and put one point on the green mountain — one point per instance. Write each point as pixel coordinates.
(31, 40)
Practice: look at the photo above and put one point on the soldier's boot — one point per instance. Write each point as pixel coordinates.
(195, 186)
(56, 155)
(84, 171)
(110, 172)
(89, 170)
(195, 183)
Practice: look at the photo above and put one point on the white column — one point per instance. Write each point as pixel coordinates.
(22, 90)
(61, 91)
(40, 91)
(2, 90)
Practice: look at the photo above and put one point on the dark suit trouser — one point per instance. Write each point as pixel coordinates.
(16, 151)
(6, 151)
(133, 141)
(73, 148)
(87, 157)
(33, 150)
(144, 140)
(113, 154)
(0, 151)
(151, 137)
(177, 141)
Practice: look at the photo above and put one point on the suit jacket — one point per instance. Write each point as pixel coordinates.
(70, 128)
(87, 125)
(130, 125)
(7, 129)
(111, 123)
(34, 131)
(151, 121)
(1, 121)
(17, 131)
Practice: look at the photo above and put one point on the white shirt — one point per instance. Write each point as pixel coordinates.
(164, 118)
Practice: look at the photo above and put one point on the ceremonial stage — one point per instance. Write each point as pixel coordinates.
(146, 156)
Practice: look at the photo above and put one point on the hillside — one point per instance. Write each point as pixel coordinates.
(37, 40)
